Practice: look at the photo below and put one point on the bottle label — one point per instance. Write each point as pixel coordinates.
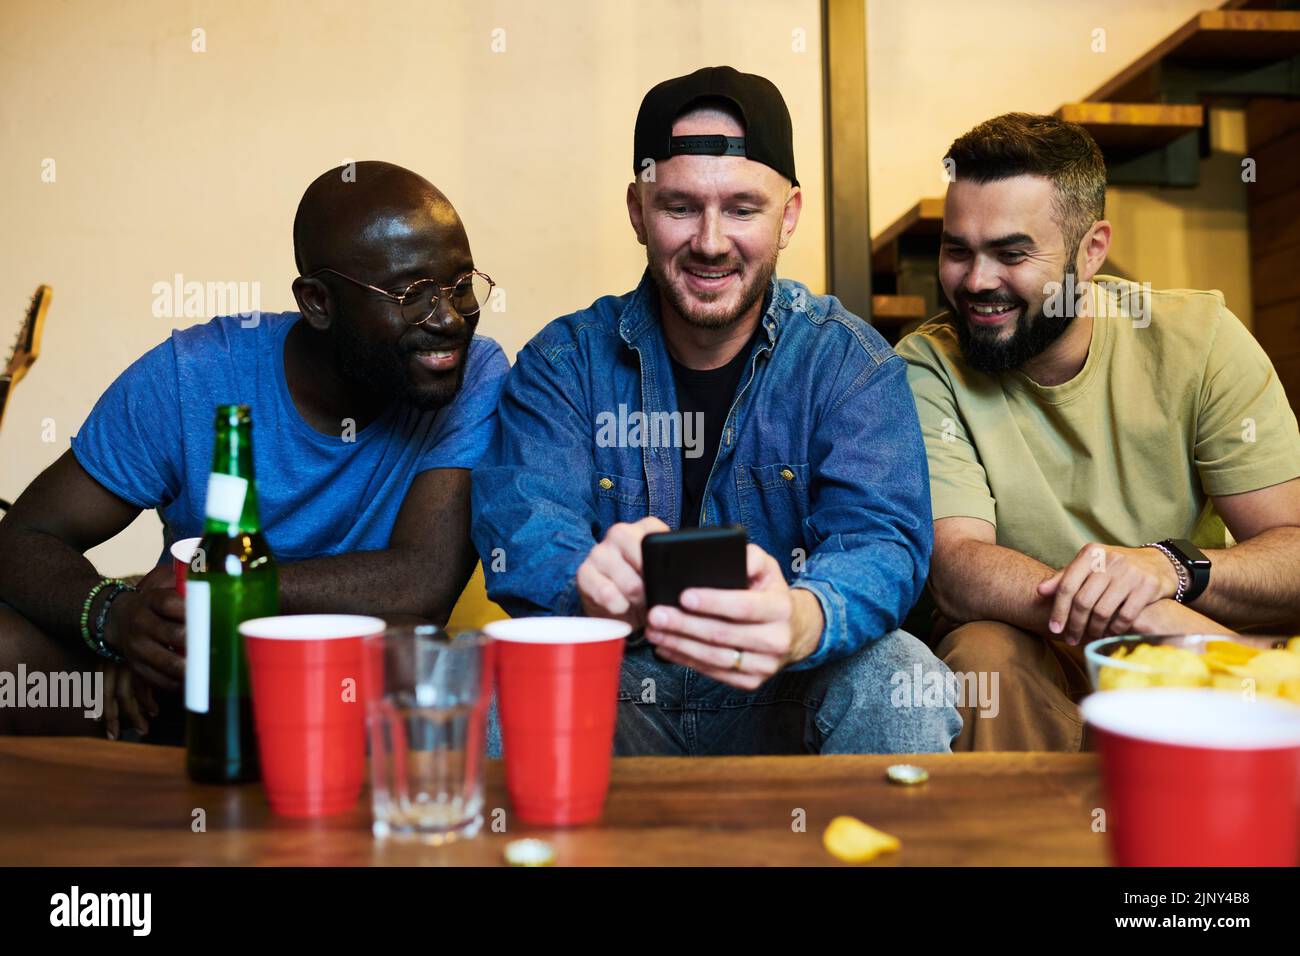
(226, 495)
(198, 643)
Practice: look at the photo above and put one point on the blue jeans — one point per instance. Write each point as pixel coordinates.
(849, 706)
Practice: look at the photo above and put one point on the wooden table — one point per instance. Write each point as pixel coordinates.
(86, 802)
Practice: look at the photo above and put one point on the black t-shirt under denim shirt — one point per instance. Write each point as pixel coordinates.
(711, 392)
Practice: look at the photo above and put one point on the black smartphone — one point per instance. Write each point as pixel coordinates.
(712, 557)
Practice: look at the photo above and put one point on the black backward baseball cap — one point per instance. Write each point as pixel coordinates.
(768, 136)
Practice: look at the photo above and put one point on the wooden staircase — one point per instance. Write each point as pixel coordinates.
(1273, 141)
(1150, 122)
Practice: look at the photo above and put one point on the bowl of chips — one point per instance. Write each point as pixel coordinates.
(1250, 664)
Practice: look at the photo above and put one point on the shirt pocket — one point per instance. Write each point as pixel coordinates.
(774, 505)
(619, 498)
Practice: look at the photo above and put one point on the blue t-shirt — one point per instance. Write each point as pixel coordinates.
(149, 439)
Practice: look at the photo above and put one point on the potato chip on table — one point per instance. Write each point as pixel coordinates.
(851, 840)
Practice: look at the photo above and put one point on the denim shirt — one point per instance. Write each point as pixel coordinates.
(820, 459)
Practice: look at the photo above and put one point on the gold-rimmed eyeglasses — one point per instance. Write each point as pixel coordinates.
(419, 300)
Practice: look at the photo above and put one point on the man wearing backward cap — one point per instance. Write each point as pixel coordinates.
(809, 439)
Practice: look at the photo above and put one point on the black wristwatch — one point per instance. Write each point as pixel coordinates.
(1192, 565)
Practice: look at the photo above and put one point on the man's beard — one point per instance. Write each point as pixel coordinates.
(695, 311)
(986, 351)
(387, 373)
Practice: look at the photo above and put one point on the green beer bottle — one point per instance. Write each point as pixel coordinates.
(232, 579)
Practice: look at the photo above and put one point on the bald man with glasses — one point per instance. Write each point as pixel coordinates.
(370, 405)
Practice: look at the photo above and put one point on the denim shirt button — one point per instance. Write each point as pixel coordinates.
(606, 483)
(787, 474)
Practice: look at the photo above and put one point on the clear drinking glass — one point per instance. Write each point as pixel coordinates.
(426, 716)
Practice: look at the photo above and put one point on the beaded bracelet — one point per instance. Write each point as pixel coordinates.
(111, 594)
(95, 641)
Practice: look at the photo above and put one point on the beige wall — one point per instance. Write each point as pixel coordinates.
(171, 161)
(938, 67)
(1191, 238)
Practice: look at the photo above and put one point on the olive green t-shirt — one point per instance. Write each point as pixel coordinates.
(1171, 407)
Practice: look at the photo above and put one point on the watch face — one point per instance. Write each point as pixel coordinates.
(1190, 553)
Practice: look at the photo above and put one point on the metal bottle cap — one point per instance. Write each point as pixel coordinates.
(529, 853)
(906, 774)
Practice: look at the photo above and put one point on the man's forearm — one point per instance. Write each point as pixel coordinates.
(1256, 583)
(385, 583)
(46, 581)
(981, 581)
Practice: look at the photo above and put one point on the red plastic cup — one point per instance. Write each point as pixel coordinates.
(1198, 777)
(309, 708)
(557, 698)
(182, 554)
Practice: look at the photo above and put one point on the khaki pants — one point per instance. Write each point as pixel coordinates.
(1039, 683)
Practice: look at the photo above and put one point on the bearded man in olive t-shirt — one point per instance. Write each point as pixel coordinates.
(1088, 442)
